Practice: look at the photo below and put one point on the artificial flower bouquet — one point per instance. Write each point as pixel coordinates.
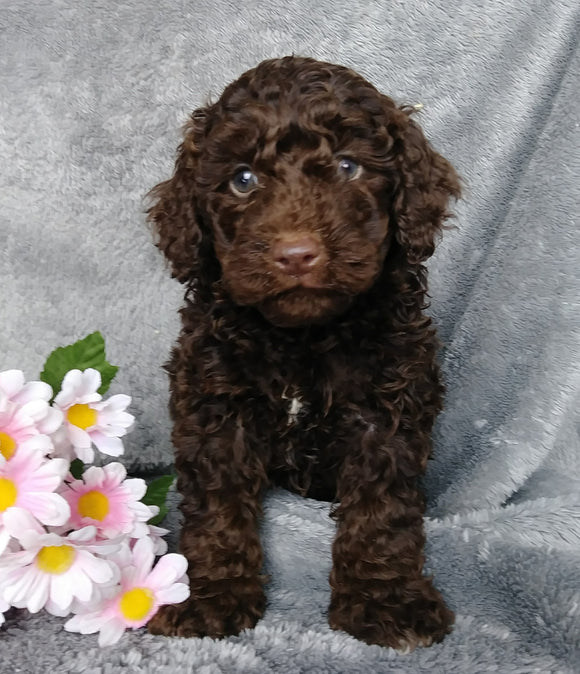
(76, 538)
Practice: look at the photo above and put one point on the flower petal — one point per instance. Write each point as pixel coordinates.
(39, 443)
(33, 390)
(50, 471)
(85, 623)
(62, 589)
(79, 387)
(18, 520)
(139, 530)
(143, 555)
(159, 545)
(62, 445)
(116, 472)
(38, 596)
(105, 547)
(157, 531)
(22, 581)
(85, 454)
(33, 410)
(78, 436)
(175, 594)
(90, 381)
(136, 487)
(111, 632)
(142, 512)
(53, 609)
(167, 571)
(110, 446)
(11, 382)
(51, 422)
(83, 587)
(50, 509)
(122, 557)
(4, 538)
(68, 387)
(84, 535)
(93, 477)
(98, 570)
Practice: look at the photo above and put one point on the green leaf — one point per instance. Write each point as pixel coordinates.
(87, 352)
(156, 494)
(77, 468)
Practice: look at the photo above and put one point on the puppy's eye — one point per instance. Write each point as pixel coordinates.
(348, 169)
(243, 182)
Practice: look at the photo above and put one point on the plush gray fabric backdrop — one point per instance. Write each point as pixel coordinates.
(92, 96)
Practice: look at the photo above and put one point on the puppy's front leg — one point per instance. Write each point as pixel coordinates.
(379, 593)
(221, 482)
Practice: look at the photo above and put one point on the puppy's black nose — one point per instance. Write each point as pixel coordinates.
(297, 255)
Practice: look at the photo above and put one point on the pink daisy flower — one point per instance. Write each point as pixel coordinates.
(108, 501)
(29, 480)
(52, 571)
(89, 419)
(25, 414)
(135, 600)
(4, 606)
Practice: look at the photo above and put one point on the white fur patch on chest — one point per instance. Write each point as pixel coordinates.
(294, 406)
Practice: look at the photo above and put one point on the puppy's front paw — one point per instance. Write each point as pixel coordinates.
(403, 617)
(224, 614)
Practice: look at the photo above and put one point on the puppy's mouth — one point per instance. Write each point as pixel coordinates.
(304, 304)
(308, 282)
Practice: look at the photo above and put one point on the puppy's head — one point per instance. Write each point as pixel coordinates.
(291, 190)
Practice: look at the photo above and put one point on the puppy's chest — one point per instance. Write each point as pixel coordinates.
(305, 399)
(300, 390)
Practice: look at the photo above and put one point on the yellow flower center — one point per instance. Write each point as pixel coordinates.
(55, 559)
(135, 604)
(94, 504)
(82, 416)
(7, 445)
(8, 493)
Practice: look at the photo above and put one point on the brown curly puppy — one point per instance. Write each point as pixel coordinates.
(302, 207)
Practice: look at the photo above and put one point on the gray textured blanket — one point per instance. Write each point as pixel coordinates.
(92, 96)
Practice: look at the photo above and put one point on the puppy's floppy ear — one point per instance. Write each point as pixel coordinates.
(174, 214)
(428, 181)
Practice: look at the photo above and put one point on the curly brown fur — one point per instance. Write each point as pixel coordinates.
(320, 378)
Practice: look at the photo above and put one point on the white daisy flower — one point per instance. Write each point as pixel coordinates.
(52, 571)
(88, 419)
